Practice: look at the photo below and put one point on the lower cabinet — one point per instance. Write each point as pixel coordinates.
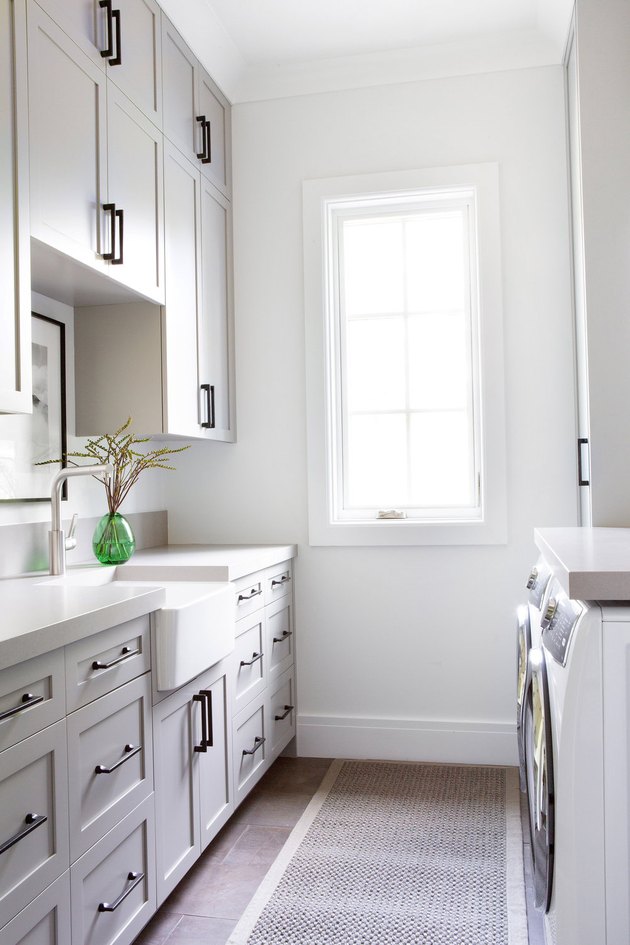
(46, 921)
(251, 748)
(192, 774)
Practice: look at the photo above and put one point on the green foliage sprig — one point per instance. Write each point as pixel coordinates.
(119, 449)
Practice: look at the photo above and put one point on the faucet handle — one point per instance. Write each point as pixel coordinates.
(71, 541)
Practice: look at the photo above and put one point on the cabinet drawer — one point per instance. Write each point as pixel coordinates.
(279, 617)
(32, 696)
(278, 581)
(249, 594)
(250, 748)
(34, 782)
(249, 659)
(281, 712)
(46, 921)
(113, 884)
(110, 761)
(100, 663)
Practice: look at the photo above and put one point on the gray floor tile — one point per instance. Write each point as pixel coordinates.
(258, 845)
(264, 808)
(200, 930)
(159, 928)
(218, 891)
(295, 775)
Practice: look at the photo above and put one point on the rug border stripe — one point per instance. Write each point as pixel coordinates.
(514, 873)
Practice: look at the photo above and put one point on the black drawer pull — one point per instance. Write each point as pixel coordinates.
(207, 144)
(112, 906)
(28, 699)
(203, 744)
(254, 659)
(130, 751)
(283, 580)
(207, 694)
(32, 821)
(202, 121)
(285, 636)
(210, 421)
(258, 743)
(117, 60)
(125, 655)
(287, 709)
(252, 593)
(107, 5)
(120, 216)
(111, 208)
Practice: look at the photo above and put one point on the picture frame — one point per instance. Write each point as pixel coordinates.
(28, 439)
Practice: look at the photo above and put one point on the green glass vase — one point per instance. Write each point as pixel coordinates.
(113, 541)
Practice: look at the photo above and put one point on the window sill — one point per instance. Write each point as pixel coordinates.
(392, 532)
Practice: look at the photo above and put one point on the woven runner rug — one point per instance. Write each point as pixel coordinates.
(398, 854)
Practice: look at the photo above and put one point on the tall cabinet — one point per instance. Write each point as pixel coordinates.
(598, 79)
(15, 308)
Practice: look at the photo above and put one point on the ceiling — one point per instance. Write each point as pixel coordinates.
(267, 48)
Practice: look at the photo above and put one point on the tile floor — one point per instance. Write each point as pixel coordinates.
(208, 902)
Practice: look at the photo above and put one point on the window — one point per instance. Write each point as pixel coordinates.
(404, 358)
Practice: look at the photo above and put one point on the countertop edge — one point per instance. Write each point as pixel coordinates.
(589, 563)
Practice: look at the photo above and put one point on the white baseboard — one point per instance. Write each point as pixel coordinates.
(456, 742)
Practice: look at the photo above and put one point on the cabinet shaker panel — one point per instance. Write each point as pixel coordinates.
(179, 68)
(15, 308)
(216, 110)
(46, 921)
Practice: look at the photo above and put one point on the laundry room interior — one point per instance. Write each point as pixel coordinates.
(249, 144)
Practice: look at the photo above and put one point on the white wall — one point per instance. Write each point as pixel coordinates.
(404, 651)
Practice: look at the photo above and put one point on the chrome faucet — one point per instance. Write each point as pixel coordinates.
(58, 544)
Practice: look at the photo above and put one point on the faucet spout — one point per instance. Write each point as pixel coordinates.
(56, 537)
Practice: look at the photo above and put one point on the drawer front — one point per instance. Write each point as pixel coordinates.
(251, 750)
(34, 782)
(281, 712)
(103, 661)
(46, 921)
(278, 582)
(110, 760)
(280, 637)
(249, 659)
(32, 696)
(113, 884)
(249, 594)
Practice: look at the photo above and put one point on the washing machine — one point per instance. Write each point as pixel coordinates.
(577, 749)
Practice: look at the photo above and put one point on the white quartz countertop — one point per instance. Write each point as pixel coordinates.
(205, 562)
(37, 617)
(590, 563)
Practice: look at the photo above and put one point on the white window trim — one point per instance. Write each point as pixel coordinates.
(492, 528)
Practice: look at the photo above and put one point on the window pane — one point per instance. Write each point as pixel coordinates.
(373, 266)
(375, 352)
(440, 456)
(377, 461)
(438, 362)
(435, 262)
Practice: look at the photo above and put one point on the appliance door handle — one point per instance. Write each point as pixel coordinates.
(120, 216)
(130, 752)
(111, 208)
(107, 6)
(117, 59)
(125, 655)
(207, 143)
(32, 821)
(582, 442)
(28, 699)
(202, 121)
(208, 390)
(135, 879)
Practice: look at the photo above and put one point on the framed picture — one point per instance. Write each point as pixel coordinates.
(26, 440)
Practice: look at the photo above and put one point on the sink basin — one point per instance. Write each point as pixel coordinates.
(192, 631)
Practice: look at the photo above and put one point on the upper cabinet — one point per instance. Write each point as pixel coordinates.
(96, 164)
(122, 38)
(15, 307)
(196, 113)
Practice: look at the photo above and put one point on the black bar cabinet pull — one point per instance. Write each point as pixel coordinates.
(120, 216)
(202, 121)
(287, 709)
(254, 659)
(207, 694)
(111, 208)
(583, 441)
(285, 635)
(32, 821)
(283, 580)
(208, 390)
(28, 699)
(125, 655)
(207, 144)
(117, 60)
(130, 752)
(135, 879)
(107, 5)
(258, 743)
(252, 593)
(203, 745)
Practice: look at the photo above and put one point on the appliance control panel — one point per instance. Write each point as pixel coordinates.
(558, 625)
(537, 583)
